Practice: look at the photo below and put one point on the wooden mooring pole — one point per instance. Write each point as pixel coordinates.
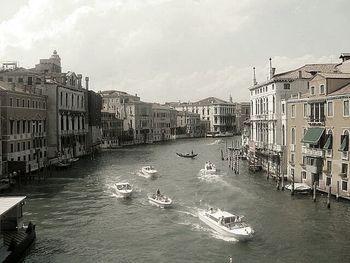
(268, 169)
(329, 197)
(337, 196)
(314, 192)
(292, 192)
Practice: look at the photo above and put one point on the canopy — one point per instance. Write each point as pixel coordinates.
(313, 135)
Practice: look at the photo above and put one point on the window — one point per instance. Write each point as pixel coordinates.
(292, 158)
(328, 180)
(312, 90)
(329, 167)
(293, 135)
(17, 102)
(329, 108)
(20, 80)
(344, 169)
(11, 147)
(18, 127)
(23, 103)
(11, 102)
(303, 175)
(283, 108)
(18, 147)
(9, 80)
(321, 89)
(286, 86)
(344, 185)
(346, 108)
(293, 111)
(305, 110)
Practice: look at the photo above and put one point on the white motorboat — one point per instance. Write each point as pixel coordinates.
(123, 189)
(149, 170)
(210, 168)
(301, 188)
(226, 224)
(160, 200)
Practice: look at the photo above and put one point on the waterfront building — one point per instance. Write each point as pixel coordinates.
(161, 123)
(320, 120)
(267, 131)
(94, 120)
(66, 104)
(188, 124)
(24, 126)
(1, 166)
(242, 115)
(136, 115)
(221, 114)
(113, 134)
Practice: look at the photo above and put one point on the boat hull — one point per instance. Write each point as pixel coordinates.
(187, 155)
(124, 194)
(159, 203)
(241, 234)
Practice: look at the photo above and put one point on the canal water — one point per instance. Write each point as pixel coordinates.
(79, 217)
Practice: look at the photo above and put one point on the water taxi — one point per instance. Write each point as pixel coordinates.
(149, 170)
(300, 188)
(210, 168)
(123, 189)
(160, 200)
(226, 224)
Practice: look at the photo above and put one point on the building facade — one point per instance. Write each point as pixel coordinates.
(113, 134)
(94, 120)
(267, 131)
(318, 133)
(24, 126)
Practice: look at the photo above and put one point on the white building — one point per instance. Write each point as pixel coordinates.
(267, 131)
(220, 113)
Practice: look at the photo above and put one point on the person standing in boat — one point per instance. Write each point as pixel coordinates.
(192, 152)
(158, 192)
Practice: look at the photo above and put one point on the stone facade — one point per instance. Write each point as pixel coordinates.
(323, 111)
(24, 126)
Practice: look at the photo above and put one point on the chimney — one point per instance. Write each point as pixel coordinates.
(271, 69)
(300, 74)
(79, 80)
(87, 83)
(254, 77)
(344, 56)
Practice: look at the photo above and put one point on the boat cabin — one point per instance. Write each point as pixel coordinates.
(222, 217)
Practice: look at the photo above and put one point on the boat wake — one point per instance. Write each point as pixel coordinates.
(215, 142)
(211, 178)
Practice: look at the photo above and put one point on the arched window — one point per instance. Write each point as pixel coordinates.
(273, 104)
(293, 135)
(329, 140)
(344, 141)
(283, 136)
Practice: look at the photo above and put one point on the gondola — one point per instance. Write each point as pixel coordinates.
(187, 155)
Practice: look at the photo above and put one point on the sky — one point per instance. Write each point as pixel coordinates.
(171, 50)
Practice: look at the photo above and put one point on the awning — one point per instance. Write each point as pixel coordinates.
(328, 144)
(313, 135)
(344, 143)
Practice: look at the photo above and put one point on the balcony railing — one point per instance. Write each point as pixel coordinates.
(329, 153)
(292, 147)
(327, 172)
(343, 175)
(314, 152)
(316, 121)
(345, 156)
(315, 169)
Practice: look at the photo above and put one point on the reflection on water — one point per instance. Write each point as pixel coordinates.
(79, 218)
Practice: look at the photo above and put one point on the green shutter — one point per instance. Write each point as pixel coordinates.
(344, 143)
(313, 135)
(328, 144)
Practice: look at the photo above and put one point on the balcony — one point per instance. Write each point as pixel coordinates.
(315, 169)
(313, 121)
(329, 153)
(345, 155)
(313, 152)
(327, 173)
(292, 147)
(39, 134)
(343, 175)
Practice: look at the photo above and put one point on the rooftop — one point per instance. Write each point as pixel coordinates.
(6, 203)
(342, 91)
(305, 72)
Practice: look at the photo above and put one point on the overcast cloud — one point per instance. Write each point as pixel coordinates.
(169, 50)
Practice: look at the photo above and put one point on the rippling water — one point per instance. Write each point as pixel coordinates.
(79, 218)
